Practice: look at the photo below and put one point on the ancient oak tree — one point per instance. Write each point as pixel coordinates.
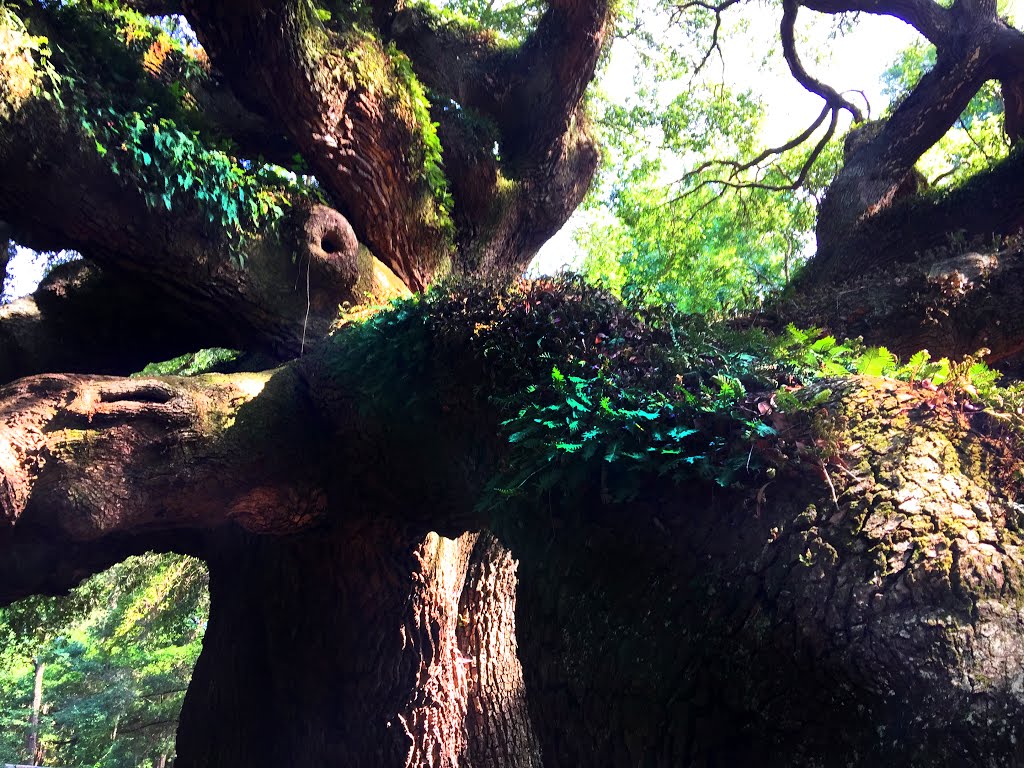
(839, 584)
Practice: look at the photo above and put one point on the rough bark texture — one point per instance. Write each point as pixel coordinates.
(694, 627)
(864, 608)
(713, 630)
(343, 647)
(270, 291)
(498, 724)
(953, 305)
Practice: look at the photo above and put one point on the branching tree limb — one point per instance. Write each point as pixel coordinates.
(787, 30)
(714, 43)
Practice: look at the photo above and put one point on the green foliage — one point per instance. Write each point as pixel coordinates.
(596, 394)
(192, 364)
(577, 419)
(150, 132)
(173, 168)
(499, 22)
(27, 63)
(672, 218)
(428, 152)
(118, 650)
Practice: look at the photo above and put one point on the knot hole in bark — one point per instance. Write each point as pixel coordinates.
(120, 402)
(332, 265)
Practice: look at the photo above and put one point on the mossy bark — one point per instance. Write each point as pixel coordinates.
(876, 582)
(709, 628)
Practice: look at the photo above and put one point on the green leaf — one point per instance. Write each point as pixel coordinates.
(824, 344)
(875, 361)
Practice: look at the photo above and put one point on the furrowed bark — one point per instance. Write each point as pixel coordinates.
(738, 631)
(96, 468)
(953, 306)
(274, 290)
(346, 646)
(875, 585)
(357, 137)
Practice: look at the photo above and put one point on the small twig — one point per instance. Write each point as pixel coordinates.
(832, 488)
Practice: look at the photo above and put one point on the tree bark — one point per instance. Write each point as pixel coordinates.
(351, 646)
(32, 746)
(973, 46)
(724, 630)
(860, 607)
(874, 586)
(951, 305)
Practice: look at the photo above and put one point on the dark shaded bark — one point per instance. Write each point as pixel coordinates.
(342, 647)
(945, 274)
(698, 626)
(272, 291)
(973, 45)
(174, 255)
(94, 469)
(534, 95)
(719, 632)
(860, 608)
(84, 320)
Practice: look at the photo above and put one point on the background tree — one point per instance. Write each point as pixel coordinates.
(119, 652)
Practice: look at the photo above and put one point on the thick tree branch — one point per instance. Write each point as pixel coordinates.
(888, 579)
(93, 468)
(359, 139)
(459, 63)
(271, 288)
(875, 172)
(359, 142)
(84, 320)
(926, 16)
(1013, 107)
(532, 96)
(787, 29)
(987, 208)
(952, 306)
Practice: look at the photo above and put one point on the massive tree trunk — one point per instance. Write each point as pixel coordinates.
(800, 632)
(861, 607)
(356, 646)
(364, 620)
